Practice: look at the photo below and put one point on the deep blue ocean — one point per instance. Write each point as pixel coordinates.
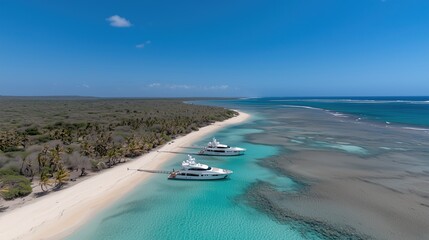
(166, 209)
(401, 110)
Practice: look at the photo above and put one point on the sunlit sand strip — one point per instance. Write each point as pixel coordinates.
(56, 215)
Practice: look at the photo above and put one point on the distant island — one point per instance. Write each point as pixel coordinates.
(48, 142)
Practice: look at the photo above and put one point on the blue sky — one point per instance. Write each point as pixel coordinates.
(214, 48)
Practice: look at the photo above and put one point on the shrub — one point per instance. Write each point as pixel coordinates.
(44, 139)
(11, 149)
(7, 171)
(14, 186)
(97, 165)
(32, 131)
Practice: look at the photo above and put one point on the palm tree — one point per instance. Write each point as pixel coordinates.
(42, 159)
(61, 177)
(131, 147)
(45, 180)
(55, 157)
(86, 149)
(111, 156)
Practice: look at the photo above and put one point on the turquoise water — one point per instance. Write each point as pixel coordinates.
(165, 209)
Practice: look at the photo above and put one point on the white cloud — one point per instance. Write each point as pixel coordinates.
(174, 86)
(170, 86)
(85, 85)
(117, 21)
(154, 85)
(142, 45)
(220, 87)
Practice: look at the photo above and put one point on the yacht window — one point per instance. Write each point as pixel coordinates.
(200, 169)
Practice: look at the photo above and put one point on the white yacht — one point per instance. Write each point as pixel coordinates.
(216, 148)
(192, 170)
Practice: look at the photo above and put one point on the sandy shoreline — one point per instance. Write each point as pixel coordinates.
(58, 214)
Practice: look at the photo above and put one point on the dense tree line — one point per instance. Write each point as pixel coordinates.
(48, 139)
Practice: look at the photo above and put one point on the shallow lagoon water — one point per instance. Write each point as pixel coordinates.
(167, 209)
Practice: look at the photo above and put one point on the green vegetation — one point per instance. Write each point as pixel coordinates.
(51, 138)
(13, 185)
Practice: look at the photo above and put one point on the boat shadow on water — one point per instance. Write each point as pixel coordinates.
(202, 180)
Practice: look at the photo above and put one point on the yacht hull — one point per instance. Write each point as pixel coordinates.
(227, 153)
(185, 177)
(215, 148)
(192, 170)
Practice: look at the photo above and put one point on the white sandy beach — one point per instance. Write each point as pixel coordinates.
(56, 215)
